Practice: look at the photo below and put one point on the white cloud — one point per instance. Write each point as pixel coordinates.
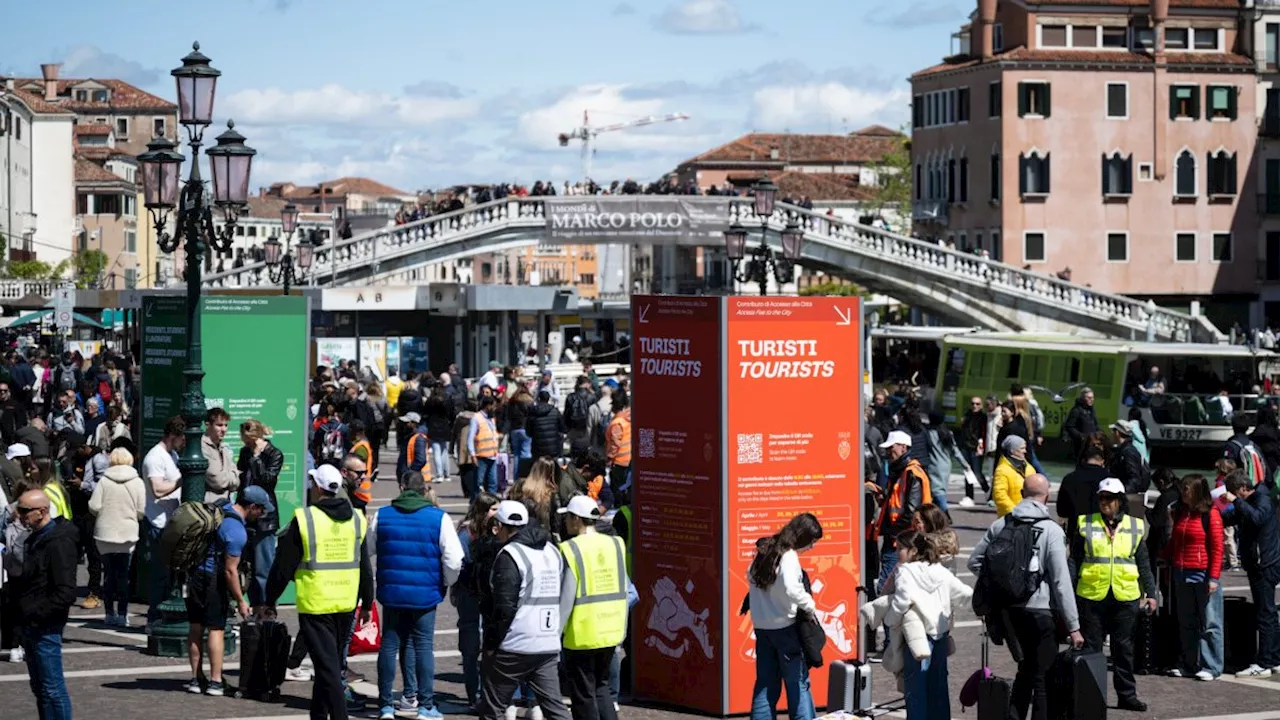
(539, 128)
(823, 104)
(90, 61)
(702, 17)
(334, 104)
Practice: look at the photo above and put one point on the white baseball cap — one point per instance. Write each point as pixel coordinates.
(583, 507)
(512, 513)
(897, 437)
(327, 478)
(17, 450)
(1111, 486)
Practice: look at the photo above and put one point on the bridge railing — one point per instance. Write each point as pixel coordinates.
(18, 289)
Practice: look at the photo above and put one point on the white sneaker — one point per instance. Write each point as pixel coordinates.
(966, 502)
(535, 713)
(298, 674)
(1206, 676)
(1175, 673)
(617, 707)
(510, 713)
(1253, 671)
(17, 655)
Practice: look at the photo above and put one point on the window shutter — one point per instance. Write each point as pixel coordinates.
(951, 181)
(1048, 105)
(1232, 100)
(1045, 167)
(1022, 172)
(1214, 173)
(1128, 175)
(964, 179)
(1232, 177)
(1195, 103)
(1106, 188)
(1022, 99)
(1173, 103)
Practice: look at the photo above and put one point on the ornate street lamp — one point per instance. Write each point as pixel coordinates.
(194, 229)
(762, 260)
(280, 268)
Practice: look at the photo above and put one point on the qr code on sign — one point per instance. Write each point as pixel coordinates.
(646, 442)
(750, 448)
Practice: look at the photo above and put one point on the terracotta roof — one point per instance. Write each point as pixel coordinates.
(99, 153)
(821, 186)
(362, 186)
(265, 208)
(38, 104)
(91, 172)
(123, 96)
(877, 131)
(1093, 57)
(802, 149)
(93, 130)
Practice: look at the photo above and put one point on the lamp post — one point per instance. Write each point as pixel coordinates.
(763, 260)
(281, 268)
(195, 229)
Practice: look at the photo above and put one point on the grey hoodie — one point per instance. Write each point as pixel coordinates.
(1056, 592)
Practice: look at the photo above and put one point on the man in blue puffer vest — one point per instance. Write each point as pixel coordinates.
(419, 557)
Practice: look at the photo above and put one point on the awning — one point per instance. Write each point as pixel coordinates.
(37, 315)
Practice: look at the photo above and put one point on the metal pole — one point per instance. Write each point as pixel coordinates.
(762, 267)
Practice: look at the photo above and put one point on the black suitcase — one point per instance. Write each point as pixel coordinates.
(994, 693)
(264, 659)
(1240, 631)
(1078, 685)
(848, 686)
(1156, 646)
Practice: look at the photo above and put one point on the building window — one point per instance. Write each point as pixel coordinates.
(1177, 38)
(99, 96)
(918, 183)
(1118, 247)
(158, 127)
(130, 278)
(1053, 36)
(977, 241)
(994, 99)
(917, 111)
(1117, 175)
(1033, 99)
(964, 179)
(1271, 114)
(1185, 175)
(1273, 45)
(1144, 38)
(1118, 101)
(1115, 37)
(122, 128)
(1184, 102)
(1222, 102)
(1222, 173)
(82, 96)
(951, 181)
(1033, 173)
(17, 128)
(1033, 249)
(1145, 172)
(997, 250)
(997, 37)
(1184, 247)
(1206, 38)
(962, 105)
(1222, 247)
(995, 177)
(130, 241)
(1084, 36)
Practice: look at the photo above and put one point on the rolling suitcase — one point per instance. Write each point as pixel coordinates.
(994, 693)
(1078, 685)
(264, 659)
(849, 686)
(1240, 631)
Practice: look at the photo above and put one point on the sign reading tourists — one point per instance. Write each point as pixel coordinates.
(641, 219)
(735, 434)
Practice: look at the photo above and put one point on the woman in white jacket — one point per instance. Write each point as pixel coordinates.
(119, 503)
(777, 594)
(928, 588)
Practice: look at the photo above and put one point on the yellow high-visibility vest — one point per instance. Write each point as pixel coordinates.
(599, 618)
(58, 499)
(328, 580)
(1110, 561)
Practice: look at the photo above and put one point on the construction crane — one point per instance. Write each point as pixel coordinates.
(587, 134)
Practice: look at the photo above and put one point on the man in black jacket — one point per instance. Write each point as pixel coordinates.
(1081, 422)
(577, 416)
(1128, 467)
(973, 436)
(546, 429)
(45, 591)
(12, 415)
(1259, 539)
(1078, 493)
(522, 634)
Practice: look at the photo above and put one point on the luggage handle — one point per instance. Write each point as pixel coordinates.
(860, 593)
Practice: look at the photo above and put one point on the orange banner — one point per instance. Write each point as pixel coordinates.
(794, 435)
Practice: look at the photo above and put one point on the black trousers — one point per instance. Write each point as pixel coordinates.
(84, 522)
(326, 639)
(1035, 633)
(588, 672)
(1109, 616)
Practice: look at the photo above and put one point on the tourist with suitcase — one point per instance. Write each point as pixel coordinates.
(1114, 583)
(1259, 538)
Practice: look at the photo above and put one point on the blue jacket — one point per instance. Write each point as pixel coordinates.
(409, 570)
(1259, 533)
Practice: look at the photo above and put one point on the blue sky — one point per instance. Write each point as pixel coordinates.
(422, 94)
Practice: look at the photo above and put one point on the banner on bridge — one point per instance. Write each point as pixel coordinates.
(638, 219)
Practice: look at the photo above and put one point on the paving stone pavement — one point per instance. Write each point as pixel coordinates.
(109, 676)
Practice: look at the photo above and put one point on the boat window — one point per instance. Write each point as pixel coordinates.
(1015, 367)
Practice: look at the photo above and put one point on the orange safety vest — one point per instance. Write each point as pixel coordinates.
(893, 504)
(486, 437)
(594, 486)
(364, 493)
(619, 451)
(409, 455)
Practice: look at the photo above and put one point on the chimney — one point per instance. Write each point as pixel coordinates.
(1159, 14)
(50, 73)
(986, 28)
(1160, 89)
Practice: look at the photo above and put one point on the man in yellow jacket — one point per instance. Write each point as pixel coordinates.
(1011, 472)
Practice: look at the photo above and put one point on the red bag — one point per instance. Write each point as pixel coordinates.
(367, 637)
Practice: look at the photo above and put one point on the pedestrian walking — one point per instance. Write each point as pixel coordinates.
(119, 503)
(1254, 514)
(1194, 553)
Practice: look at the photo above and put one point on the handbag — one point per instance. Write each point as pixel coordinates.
(812, 638)
(367, 637)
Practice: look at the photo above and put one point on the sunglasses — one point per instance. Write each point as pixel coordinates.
(26, 510)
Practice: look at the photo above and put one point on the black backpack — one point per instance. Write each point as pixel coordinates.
(1007, 579)
(577, 411)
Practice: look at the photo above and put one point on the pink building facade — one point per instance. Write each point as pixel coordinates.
(1115, 140)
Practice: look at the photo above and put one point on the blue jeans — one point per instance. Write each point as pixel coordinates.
(939, 488)
(115, 586)
(888, 563)
(43, 648)
(469, 641)
(925, 683)
(440, 459)
(615, 674)
(404, 629)
(1262, 585)
(264, 554)
(779, 662)
(1199, 625)
(521, 445)
(1035, 460)
(487, 474)
(157, 573)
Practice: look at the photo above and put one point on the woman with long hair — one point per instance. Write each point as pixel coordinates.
(259, 464)
(478, 523)
(777, 595)
(439, 421)
(931, 520)
(515, 414)
(538, 490)
(1194, 553)
(380, 414)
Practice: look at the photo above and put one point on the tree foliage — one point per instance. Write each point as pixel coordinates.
(87, 266)
(30, 270)
(833, 289)
(895, 177)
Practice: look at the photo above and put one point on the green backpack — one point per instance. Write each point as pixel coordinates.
(186, 538)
